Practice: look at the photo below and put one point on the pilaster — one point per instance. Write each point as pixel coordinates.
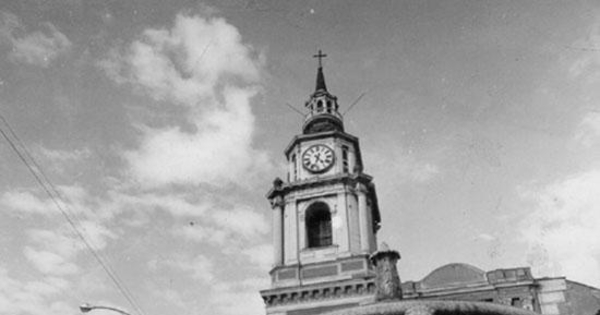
(291, 233)
(363, 218)
(278, 207)
(341, 224)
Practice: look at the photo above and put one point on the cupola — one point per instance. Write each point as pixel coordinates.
(323, 110)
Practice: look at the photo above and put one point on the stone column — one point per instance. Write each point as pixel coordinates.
(363, 218)
(342, 229)
(291, 233)
(277, 204)
(387, 280)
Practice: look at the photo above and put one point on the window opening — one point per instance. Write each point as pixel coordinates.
(345, 167)
(318, 225)
(515, 302)
(294, 167)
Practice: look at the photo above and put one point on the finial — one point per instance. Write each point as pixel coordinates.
(320, 77)
(277, 183)
(320, 55)
(387, 280)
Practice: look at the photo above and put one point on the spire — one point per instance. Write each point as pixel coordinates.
(323, 107)
(320, 81)
(320, 77)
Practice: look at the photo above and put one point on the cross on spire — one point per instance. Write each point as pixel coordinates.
(320, 55)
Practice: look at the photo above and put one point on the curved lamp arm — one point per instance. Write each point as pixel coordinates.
(87, 307)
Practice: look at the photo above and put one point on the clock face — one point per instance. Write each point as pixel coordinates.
(318, 158)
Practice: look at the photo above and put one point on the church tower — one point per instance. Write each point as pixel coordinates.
(325, 217)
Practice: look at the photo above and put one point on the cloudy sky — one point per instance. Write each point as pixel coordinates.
(161, 125)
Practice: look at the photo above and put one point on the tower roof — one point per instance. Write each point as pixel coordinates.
(320, 77)
(320, 81)
(323, 107)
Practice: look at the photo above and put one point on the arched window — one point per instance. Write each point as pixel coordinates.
(319, 105)
(318, 225)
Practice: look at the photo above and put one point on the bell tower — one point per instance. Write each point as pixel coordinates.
(325, 217)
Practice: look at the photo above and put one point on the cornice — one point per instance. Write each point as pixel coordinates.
(438, 292)
(313, 264)
(318, 292)
(319, 135)
(348, 179)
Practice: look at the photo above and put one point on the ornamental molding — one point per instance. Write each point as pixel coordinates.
(361, 188)
(315, 136)
(348, 179)
(330, 292)
(277, 202)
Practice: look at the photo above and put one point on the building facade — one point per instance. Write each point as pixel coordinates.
(325, 217)
(513, 286)
(325, 221)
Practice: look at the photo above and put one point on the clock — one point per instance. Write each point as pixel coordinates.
(318, 158)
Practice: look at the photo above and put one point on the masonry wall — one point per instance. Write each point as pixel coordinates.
(582, 299)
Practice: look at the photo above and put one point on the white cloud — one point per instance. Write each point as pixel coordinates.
(177, 204)
(185, 63)
(211, 220)
(203, 233)
(38, 48)
(242, 220)
(202, 66)
(424, 172)
(588, 131)
(47, 286)
(220, 292)
(402, 166)
(171, 296)
(50, 263)
(54, 252)
(36, 297)
(485, 237)
(261, 255)
(96, 234)
(201, 69)
(248, 301)
(193, 232)
(219, 152)
(21, 201)
(563, 228)
(200, 267)
(220, 226)
(57, 241)
(584, 60)
(26, 202)
(64, 156)
(77, 204)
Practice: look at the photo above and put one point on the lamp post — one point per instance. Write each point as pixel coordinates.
(85, 307)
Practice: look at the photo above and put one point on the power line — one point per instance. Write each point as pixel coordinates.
(23, 157)
(295, 109)
(48, 191)
(354, 103)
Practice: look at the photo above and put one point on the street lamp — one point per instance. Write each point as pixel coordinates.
(85, 307)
